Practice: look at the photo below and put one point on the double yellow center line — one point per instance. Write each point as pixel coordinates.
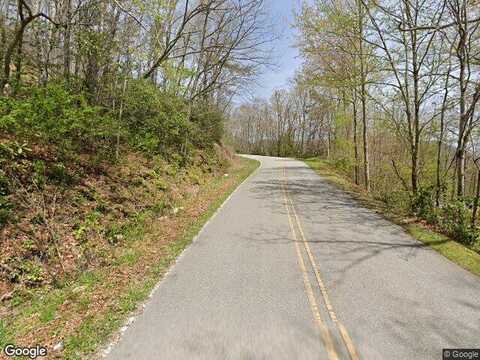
(297, 232)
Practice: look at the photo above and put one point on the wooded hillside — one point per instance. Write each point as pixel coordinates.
(110, 110)
(111, 126)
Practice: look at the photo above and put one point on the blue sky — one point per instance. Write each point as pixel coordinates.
(285, 55)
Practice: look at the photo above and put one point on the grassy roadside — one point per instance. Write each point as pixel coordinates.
(456, 252)
(86, 310)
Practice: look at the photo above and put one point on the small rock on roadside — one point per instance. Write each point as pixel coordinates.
(58, 347)
(119, 237)
(79, 289)
(226, 175)
(6, 296)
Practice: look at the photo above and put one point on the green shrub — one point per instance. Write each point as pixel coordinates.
(5, 211)
(59, 174)
(343, 164)
(456, 221)
(55, 115)
(161, 207)
(161, 183)
(4, 184)
(423, 204)
(208, 125)
(153, 121)
(157, 122)
(39, 170)
(161, 123)
(13, 150)
(32, 273)
(396, 200)
(7, 122)
(29, 272)
(116, 233)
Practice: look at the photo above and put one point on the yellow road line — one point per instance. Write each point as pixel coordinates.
(325, 333)
(333, 316)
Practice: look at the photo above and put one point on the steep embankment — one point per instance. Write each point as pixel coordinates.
(82, 249)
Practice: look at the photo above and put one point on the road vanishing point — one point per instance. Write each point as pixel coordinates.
(292, 268)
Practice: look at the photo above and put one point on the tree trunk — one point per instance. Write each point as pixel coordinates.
(440, 138)
(66, 41)
(414, 177)
(460, 169)
(460, 153)
(18, 38)
(475, 201)
(120, 115)
(18, 65)
(416, 109)
(355, 141)
(363, 98)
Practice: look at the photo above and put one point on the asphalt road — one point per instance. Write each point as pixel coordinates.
(292, 268)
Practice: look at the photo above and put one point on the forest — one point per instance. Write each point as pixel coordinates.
(388, 95)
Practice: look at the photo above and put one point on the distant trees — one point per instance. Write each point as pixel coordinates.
(285, 124)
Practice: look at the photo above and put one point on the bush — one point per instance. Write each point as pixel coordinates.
(59, 174)
(13, 150)
(161, 123)
(423, 204)
(396, 199)
(456, 221)
(55, 115)
(39, 177)
(4, 184)
(208, 122)
(344, 165)
(5, 211)
(7, 122)
(153, 121)
(156, 122)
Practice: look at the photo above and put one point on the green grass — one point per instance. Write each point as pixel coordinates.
(95, 330)
(90, 278)
(456, 252)
(48, 312)
(4, 336)
(129, 257)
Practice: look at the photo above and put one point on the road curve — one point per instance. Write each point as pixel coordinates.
(292, 268)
